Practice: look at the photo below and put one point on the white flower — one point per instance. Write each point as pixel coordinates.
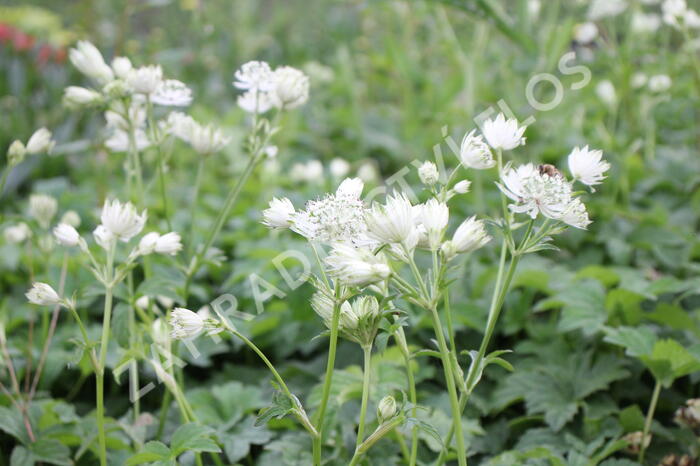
(43, 295)
(172, 92)
(119, 140)
(692, 19)
(503, 134)
(475, 153)
(600, 9)
(585, 33)
(168, 243)
(606, 92)
(121, 67)
(143, 302)
(255, 101)
(76, 97)
(42, 208)
(17, 233)
(462, 187)
(16, 153)
(659, 83)
(145, 79)
(644, 23)
(280, 213)
(335, 218)
(535, 191)
(206, 140)
(254, 75)
(323, 306)
(290, 87)
(393, 222)
(339, 167)
(185, 324)
(356, 266)
(40, 142)
(103, 237)
(367, 172)
(148, 243)
(433, 215)
(428, 173)
(89, 61)
(575, 214)
(66, 235)
(179, 125)
(639, 79)
(122, 220)
(470, 235)
(673, 10)
(72, 218)
(587, 165)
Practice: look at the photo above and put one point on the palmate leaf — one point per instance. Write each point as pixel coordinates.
(669, 360)
(281, 406)
(193, 437)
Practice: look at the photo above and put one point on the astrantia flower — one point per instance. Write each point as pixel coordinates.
(255, 101)
(659, 83)
(575, 214)
(335, 218)
(185, 324)
(42, 208)
(475, 153)
(89, 61)
(40, 142)
(66, 235)
(503, 134)
(254, 75)
(645, 23)
(147, 245)
(535, 191)
(121, 67)
(168, 243)
(470, 235)
(606, 93)
(323, 306)
(118, 141)
(585, 33)
(290, 88)
(206, 140)
(76, 97)
(122, 220)
(386, 409)
(179, 125)
(356, 266)
(71, 218)
(433, 216)
(428, 173)
(462, 187)
(339, 167)
(600, 9)
(280, 213)
(587, 165)
(146, 79)
(17, 233)
(392, 222)
(172, 92)
(16, 153)
(103, 237)
(43, 295)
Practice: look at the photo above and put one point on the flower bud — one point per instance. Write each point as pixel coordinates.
(117, 89)
(71, 218)
(121, 67)
(279, 215)
(76, 97)
(66, 235)
(168, 243)
(16, 153)
(386, 408)
(148, 243)
(17, 233)
(43, 295)
(462, 187)
(185, 324)
(428, 173)
(40, 142)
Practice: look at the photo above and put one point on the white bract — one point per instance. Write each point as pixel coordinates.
(103, 237)
(185, 324)
(433, 216)
(290, 87)
(469, 236)
(503, 134)
(254, 75)
(172, 92)
(279, 214)
(255, 101)
(475, 153)
(89, 61)
(169, 243)
(66, 235)
(145, 79)
(121, 67)
(42, 208)
(43, 295)
(587, 165)
(122, 220)
(391, 222)
(356, 266)
(40, 142)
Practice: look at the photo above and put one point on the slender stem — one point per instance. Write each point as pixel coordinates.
(648, 420)
(160, 161)
(6, 171)
(104, 343)
(377, 435)
(194, 203)
(136, 164)
(411, 395)
(330, 365)
(451, 388)
(367, 372)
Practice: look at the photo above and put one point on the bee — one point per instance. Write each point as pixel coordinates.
(547, 169)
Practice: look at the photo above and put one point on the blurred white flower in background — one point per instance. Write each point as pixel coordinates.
(659, 83)
(145, 79)
(43, 295)
(254, 75)
(600, 9)
(585, 33)
(121, 67)
(77, 97)
(645, 23)
(639, 80)
(290, 87)
(40, 142)
(587, 165)
(42, 208)
(17, 233)
(339, 167)
(172, 92)
(254, 101)
(66, 235)
(89, 61)
(71, 218)
(606, 93)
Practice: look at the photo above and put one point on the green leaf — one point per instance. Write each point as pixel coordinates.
(637, 341)
(632, 418)
(152, 451)
(21, 457)
(669, 360)
(11, 423)
(193, 437)
(583, 307)
(50, 451)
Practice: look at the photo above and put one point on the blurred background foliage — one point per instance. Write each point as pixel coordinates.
(390, 80)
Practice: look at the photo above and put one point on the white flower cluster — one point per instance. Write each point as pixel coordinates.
(676, 13)
(40, 142)
(283, 88)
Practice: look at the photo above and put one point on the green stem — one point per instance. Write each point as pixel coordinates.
(104, 343)
(330, 365)
(648, 420)
(367, 369)
(411, 396)
(451, 388)
(160, 162)
(195, 202)
(377, 435)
